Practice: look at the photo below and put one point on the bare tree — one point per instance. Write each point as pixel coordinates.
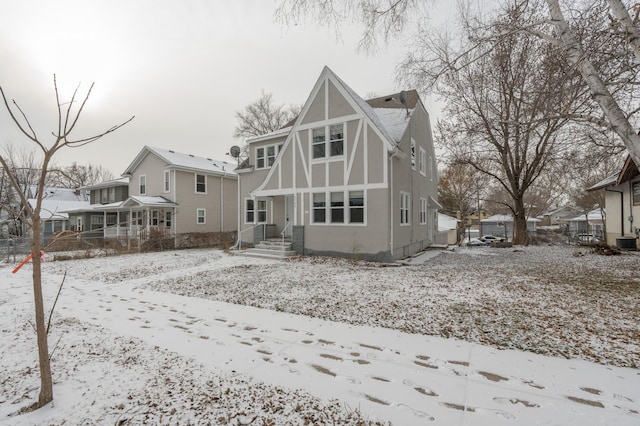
(390, 17)
(67, 121)
(77, 176)
(458, 191)
(263, 116)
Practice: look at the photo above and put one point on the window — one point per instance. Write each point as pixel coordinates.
(249, 211)
(167, 219)
(260, 158)
(104, 196)
(97, 219)
(405, 199)
(431, 168)
(336, 140)
(335, 147)
(356, 206)
(262, 211)
(112, 194)
(167, 181)
(337, 207)
(266, 156)
(423, 162)
(271, 155)
(423, 211)
(319, 208)
(318, 142)
(201, 216)
(201, 184)
(635, 189)
(155, 217)
(413, 154)
(143, 184)
(112, 219)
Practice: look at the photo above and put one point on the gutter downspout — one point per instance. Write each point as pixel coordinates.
(391, 194)
(621, 209)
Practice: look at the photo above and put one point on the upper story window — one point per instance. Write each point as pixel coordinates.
(266, 156)
(335, 143)
(201, 184)
(112, 194)
(431, 168)
(423, 211)
(104, 195)
(423, 162)
(167, 181)
(142, 180)
(413, 154)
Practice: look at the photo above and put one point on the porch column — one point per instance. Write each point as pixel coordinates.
(104, 224)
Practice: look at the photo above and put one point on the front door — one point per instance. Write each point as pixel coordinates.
(289, 214)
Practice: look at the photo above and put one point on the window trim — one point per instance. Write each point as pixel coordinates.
(167, 181)
(266, 158)
(327, 142)
(196, 183)
(247, 211)
(198, 216)
(422, 161)
(405, 208)
(142, 184)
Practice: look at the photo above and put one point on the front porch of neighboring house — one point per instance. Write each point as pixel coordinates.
(136, 220)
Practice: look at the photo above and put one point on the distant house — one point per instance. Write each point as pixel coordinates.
(622, 203)
(349, 177)
(91, 217)
(55, 203)
(558, 217)
(501, 225)
(592, 222)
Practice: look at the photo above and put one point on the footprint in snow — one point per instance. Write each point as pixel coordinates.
(420, 414)
(424, 390)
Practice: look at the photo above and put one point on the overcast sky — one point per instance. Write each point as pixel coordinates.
(183, 68)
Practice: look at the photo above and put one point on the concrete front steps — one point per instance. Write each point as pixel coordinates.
(271, 249)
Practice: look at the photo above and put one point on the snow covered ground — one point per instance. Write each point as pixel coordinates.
(199, 336)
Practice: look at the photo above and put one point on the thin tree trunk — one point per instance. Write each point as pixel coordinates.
(46, 382)
(633, 32)
(616, 117)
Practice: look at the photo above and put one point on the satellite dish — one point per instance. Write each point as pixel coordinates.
(403, 98)
(234, 151)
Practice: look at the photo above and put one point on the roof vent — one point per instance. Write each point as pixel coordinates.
(171, 151)
(209, 159)
(388, 99)
(190, 155)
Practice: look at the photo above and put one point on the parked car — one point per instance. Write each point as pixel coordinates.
(491, 239)
(476, 242)
(586, 239)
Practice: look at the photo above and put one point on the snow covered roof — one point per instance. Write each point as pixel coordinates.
(605, 183)
(594, 215)
(147, 201)
(55, 209)
(123, 181)
(179, 160)
(446, 223)
(506, 218)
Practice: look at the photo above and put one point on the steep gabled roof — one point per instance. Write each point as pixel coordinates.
(389, 115)
(178, 160)
(629, 171)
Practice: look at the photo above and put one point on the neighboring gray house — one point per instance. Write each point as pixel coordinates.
(179, 194)
(349, 177)
(590, 223)
(91, 217)
(501, 225)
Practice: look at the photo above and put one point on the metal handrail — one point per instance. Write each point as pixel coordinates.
(238, 244)
(284, 230)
